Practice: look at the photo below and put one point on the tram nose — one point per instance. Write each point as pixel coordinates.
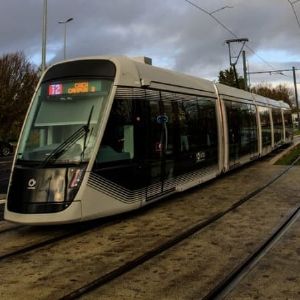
(43, 190)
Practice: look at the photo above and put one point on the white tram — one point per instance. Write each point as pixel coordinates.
(105, 135)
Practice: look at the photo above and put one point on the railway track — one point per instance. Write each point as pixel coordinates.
(68, 231)
(196, 228)
(233, 278)
(84, 227)
(129, 264)
(7, 226)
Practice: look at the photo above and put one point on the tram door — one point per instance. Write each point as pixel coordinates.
(160, 156)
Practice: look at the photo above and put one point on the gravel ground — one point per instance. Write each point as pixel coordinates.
(277, 275)
(191, 269)
(185, 272)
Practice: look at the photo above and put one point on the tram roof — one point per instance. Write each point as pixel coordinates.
(156, 77)
(228, 92)
(134, 72)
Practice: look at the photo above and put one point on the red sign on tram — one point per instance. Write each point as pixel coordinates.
(55, 89)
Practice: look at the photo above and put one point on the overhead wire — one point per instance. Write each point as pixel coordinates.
(294, 11)
(231, 32)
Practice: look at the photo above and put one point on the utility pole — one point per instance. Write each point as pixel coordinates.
(234, 59)
(296, 96)
(245, 70)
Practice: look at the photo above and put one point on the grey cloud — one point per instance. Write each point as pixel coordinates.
(178, 35)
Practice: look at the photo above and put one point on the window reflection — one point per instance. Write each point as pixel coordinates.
(242, 129)
(265, 122)
(277, 125)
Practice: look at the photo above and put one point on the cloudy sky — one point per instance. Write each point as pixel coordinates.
(174, 33)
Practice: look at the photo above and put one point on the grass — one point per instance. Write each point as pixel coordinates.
(289, 157)
(296, 131)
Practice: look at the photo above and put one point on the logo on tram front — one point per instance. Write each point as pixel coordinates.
(31, 185)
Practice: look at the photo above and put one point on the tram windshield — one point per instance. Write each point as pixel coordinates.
(64, 120)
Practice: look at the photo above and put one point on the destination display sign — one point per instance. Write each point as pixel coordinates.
(73, 88)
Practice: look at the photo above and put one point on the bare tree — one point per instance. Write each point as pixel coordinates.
(18, 79)
(278, 92)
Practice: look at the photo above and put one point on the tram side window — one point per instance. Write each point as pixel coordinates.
(288, 123)
(208, 122)
(265, 122)
(184, 143)
(169, 112)
(193, 140)
(249, 129)
(277, 124)
(242, 129)
(200, 125)
(118, 141)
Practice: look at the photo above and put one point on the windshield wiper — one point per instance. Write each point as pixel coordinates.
(86, 133)
(69, 142)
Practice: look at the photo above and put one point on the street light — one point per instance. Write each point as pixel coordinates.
(65, 34)
(224, 7)
(44, 36)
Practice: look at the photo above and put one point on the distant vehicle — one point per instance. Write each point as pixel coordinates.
(5, 149)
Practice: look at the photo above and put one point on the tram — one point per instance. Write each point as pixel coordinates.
(105, 135)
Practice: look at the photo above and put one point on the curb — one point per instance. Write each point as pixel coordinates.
(296, 141)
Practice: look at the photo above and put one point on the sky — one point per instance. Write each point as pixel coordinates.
(174, 33)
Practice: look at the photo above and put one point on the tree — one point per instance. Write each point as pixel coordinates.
(279, 92)
(227, 77)
(18, 79)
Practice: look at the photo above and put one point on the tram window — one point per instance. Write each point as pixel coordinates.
(156, 135)
(59, 114)
(192, 130)
(288, 123)
(265, 123)
(118, 140)
(277, 124)
(249, 129)
(183, 129)
(168, 109)
(242, 129)
(207, 122)
(199, 123)
(198, 128)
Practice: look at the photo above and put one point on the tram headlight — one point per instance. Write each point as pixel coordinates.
(76, 177)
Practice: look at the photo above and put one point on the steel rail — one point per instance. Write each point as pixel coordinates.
(83, 227)
(11, 228)
(224, 287)
(147, 256)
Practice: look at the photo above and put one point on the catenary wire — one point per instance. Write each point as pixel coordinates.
(294, 11)
(231, 32)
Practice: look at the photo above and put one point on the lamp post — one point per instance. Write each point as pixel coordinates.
(44, 36)
(65, 34)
